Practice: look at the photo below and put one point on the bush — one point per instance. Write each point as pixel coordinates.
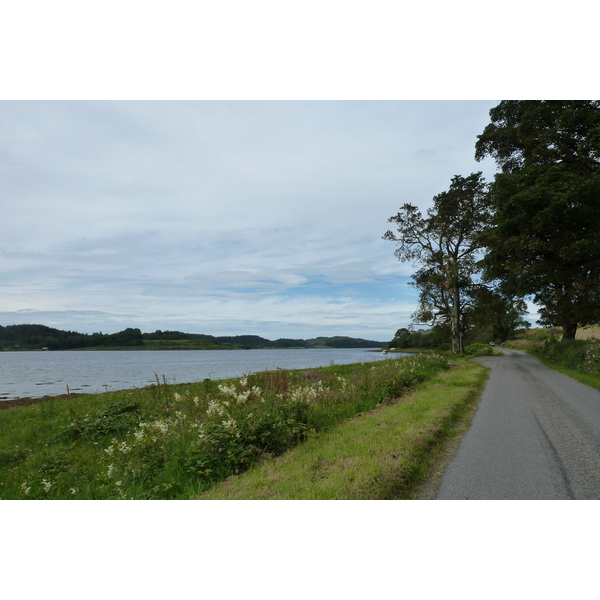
(479, 350)
(579, 355)
(117, 417)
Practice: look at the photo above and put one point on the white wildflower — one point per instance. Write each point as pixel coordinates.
(230, 425)
(244, 381)
(47, 485)
(162, 426)
(215, 407)
(196, 400)
(25, 488)
(228, 390)
(242, 397)
(124, 448)
(177, 397)
(73, 491)
(110, 470)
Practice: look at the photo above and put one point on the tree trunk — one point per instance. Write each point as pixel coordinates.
(455, 321)
(569, 331)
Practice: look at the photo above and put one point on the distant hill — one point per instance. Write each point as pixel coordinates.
(341, 341)
(38, 337)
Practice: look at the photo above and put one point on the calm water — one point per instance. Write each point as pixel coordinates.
(36, 374)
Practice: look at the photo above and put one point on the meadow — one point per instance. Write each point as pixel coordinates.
(180, 441)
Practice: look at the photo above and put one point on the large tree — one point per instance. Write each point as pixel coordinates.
(445, 244)
(545, 237)
(495, 316)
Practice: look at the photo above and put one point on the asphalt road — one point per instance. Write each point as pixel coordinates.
(535, 436)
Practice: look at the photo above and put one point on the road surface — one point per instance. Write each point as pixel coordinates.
(535, 435)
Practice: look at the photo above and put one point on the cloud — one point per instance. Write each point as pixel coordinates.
(250, 216)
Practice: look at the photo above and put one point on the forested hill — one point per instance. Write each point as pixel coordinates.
(37, 337)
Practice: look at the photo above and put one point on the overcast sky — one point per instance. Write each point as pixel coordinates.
(256, 217)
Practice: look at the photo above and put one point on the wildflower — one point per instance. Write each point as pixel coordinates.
(230, 425)
(243, 397)
(162, 426)
(110, 470)
(244, 381)
(109, 450)
(25, 488)
(73, 491)
(215, 407)
(47, 485)
(196, 401)
(177, 397)
(124, 448)
(228, 390)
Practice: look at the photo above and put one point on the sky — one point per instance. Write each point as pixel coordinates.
(220, 217)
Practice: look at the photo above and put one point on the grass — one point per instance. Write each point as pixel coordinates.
(179, 441)
(578, 359)
(385, 453)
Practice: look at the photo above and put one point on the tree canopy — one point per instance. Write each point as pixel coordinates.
(544, 239)
(446, 245)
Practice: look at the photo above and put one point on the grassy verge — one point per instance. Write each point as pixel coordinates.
(177, 441)
(386, 453)
(578, 359)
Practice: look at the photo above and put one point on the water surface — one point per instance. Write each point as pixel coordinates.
(37, 374)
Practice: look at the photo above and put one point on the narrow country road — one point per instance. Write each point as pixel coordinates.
(536, 435)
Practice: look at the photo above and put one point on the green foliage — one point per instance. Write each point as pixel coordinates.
(582, 356)
(36, 337)
(383, 454)
(544, 241)
(419, 338)
(495, 316)
(116, 417)
(479, 350)
(446, 245)
(174, 441)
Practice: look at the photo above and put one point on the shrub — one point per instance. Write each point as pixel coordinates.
(579, 355)
(479, 350)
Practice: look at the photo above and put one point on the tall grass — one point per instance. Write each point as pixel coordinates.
(386, 453)
(176, 441)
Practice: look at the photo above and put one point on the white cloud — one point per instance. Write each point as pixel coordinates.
(253, 216)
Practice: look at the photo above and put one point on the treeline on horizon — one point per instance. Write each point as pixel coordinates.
(38, 337)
